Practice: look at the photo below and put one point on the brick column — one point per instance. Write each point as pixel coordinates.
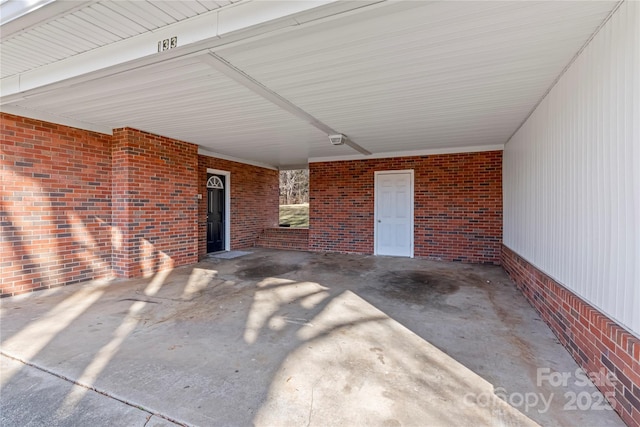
(154, 203)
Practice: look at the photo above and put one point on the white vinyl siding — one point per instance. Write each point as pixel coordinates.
(572, 175)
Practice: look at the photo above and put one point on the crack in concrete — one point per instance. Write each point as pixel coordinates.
(310, 408)
(101, 392)
(139, 300)
(313, 387)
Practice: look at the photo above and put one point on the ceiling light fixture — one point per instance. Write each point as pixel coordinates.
(258, 88)
(338, 139)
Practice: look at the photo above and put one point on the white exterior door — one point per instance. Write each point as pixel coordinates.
(394, 213)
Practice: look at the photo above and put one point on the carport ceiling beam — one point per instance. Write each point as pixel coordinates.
(258, 88)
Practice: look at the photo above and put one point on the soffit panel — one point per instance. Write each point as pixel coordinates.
(91, 27)
(402, 77)
(190, 101)
(443, 74)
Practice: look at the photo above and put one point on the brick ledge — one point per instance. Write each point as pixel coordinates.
(594, 340)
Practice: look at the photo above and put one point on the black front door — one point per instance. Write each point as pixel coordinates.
(215, 213)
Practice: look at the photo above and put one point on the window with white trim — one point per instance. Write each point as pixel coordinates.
(215, 182)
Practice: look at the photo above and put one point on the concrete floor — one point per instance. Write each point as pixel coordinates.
(280, 338)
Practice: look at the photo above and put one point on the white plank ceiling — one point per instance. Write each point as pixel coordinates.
(96, 25)
(396, 78)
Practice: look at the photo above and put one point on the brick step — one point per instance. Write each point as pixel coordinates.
(283, 245)
(263, 237)
(284, 238)
(281, 237)
(286, 232)
(281, 240)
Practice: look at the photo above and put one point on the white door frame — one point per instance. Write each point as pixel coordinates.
(227, 205)
(375, 206)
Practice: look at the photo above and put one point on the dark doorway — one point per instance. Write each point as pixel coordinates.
(215, 213)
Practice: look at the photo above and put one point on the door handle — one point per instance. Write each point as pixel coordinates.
(379, 220)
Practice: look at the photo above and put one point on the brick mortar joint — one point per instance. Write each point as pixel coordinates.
(587, 354)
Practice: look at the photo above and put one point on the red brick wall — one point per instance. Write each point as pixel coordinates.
(284, 238)
(595, 341)
(154, 203)
(254, 201)
(55, 205)
(458, 205)
(59, 225)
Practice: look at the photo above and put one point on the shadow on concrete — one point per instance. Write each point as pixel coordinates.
(293, 338)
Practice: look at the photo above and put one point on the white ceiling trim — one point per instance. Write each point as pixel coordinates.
(37, 14)
(205, 152)
(414, 153)
(54, 118)
(402, 78)
(215, 24)
(565, 69)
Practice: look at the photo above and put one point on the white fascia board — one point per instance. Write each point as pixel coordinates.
(414, 153)
(54, 118)
(242, 16)
(33, 13)
(194, 34)
(11, 10)
(209, 153)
